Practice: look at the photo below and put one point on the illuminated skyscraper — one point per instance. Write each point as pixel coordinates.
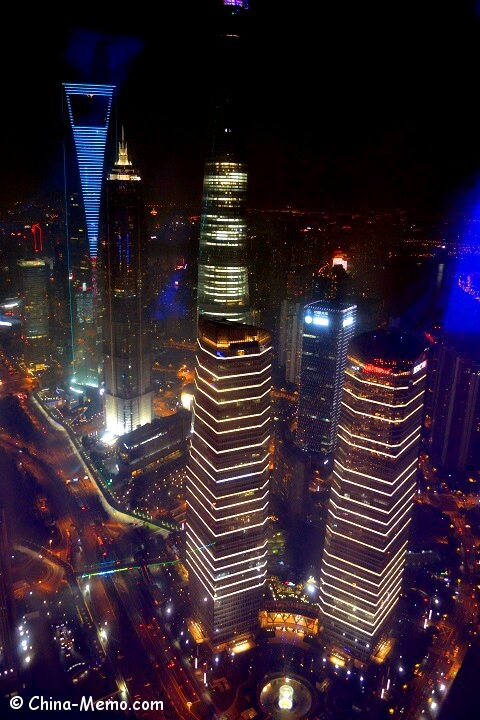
(222, 270)
(455, 407)
(373, 489)
(227, 480)
(33, 285)
(328, 327)
(222, 266)
(88, 109)
(126, 339)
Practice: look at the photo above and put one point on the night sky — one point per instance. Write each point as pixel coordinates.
(355, 105)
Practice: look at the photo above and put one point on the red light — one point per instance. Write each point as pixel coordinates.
(369, 368)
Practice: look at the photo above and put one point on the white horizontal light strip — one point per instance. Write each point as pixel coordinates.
(233, 389)
(364, 544)
(377, 442)
(235, 375)
(261, 460)
(360, 581)
(343, 502)
(232, 419)
(240, 529)
(374, 625)
(381, 575)
(218, 499)
(243, 590)
(388, 525)
(380, 452)
(235, 357)
(385, 590)
(218, 519)
(222, 496)
(230, 450)
(370, 382)
(235, 400)
(209, 581)
(254, 571)
(394, 481)
(370, 400)
(382, 419)
(232, 430)
(220, 558)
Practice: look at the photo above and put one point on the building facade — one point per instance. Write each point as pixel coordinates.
(290, 339)
(455, 409)
(222, 265)
(88, 109)
(127, 360)
(328, 327)
(374, 483)
(34, 276)
(227, 478)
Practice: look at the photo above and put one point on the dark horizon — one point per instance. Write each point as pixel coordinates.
(349, 107)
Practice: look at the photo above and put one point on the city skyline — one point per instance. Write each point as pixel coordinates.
(239, 446)
(337, 112)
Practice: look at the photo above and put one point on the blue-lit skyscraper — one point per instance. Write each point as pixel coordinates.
(88, 110)
(328, 327)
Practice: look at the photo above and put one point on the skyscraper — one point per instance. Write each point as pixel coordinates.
(455, 407)
(33, 285)
(373, 488)
(227, 479)
(328, 327)
(126, 337)
(88, 108)
(290, 339)
(222, 266)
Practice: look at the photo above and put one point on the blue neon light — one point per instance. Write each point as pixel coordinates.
(90, 143)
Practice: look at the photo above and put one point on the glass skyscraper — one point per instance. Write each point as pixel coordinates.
(373, 488)
(222, 266)
(88, 108)
(126, 338)
(222, 290)
(227, 479)
(34, 288)
(328, 327)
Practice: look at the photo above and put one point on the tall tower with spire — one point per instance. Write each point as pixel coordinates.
(126, 340)
(222, 267)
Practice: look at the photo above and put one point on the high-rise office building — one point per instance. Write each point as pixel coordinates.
(34, 278)
(222, 289)
(126, 339)
(454, 407)
(328, 327)
(374, 483)
(222, 266)
(88, 108)
(227, 479)
(290, 339)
